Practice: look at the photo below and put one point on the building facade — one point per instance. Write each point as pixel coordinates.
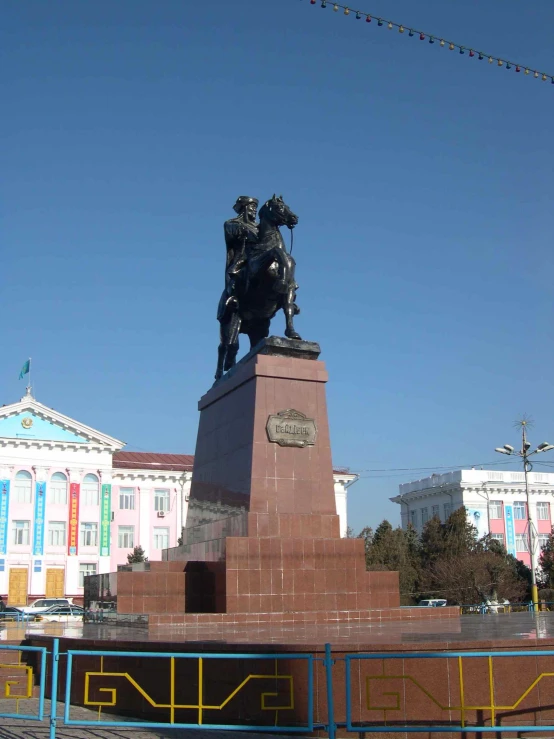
(495, 503)
(72, 503)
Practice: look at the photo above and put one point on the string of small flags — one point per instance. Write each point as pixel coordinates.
(423, 36)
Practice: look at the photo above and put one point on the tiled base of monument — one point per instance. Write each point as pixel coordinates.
(393, 690)
(226, 624)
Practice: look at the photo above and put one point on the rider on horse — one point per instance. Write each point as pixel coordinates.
(240, 233)
(259, 277)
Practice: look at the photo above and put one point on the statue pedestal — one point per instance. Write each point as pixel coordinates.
(262, 530)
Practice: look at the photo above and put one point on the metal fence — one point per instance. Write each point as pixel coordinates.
(380, 692)
(19, 679)
(484, 609)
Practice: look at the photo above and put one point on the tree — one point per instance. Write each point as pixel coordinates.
(546, 560)
(459, 566)
(396, 550)
(137, 555)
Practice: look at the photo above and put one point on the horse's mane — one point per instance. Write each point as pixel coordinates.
(265, 210)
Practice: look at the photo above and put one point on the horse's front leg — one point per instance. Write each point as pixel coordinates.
(290, 309)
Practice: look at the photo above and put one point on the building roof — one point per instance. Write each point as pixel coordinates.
(173, 462)
(153, 461)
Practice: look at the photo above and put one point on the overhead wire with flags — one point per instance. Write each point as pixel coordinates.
(467, 50)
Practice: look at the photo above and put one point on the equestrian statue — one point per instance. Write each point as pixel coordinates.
(259, 277)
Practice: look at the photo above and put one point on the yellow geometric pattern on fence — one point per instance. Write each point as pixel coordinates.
(200, 705)
(26, 681)
(492, 706)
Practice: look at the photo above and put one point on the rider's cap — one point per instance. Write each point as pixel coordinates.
(243, 200)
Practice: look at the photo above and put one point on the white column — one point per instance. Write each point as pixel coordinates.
(145, 523)
(340, 502)
(183, 493)
(6, 473)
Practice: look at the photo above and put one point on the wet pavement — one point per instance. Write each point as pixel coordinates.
(21, 729)
(490, 628)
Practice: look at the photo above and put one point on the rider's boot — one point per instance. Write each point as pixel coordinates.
(230, 359)
(221, 351)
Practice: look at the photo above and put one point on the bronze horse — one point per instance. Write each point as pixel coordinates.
(264, 285)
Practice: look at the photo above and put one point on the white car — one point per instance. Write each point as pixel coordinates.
(432, 602)
(64, 614)
(43, 604)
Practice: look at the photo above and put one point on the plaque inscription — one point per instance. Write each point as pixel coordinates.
(291, 428)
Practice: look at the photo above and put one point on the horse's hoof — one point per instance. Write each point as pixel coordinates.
(293, 335)
(296, 309)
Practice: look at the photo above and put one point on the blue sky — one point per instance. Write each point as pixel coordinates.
(423, 181)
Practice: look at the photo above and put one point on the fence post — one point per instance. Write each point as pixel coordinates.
(54, 688)
(329, 683)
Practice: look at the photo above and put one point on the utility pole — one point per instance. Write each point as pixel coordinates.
(524, 454)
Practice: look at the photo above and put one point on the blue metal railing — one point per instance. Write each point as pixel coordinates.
(200, 706)
(435, 726)
(27, 679)
(365, 691)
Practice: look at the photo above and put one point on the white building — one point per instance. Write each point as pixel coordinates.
(495, 503)
(72, 503)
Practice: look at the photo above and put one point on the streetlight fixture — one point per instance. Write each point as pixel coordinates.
(524, 454)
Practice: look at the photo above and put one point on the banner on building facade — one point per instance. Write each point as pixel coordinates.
(4, 511)
(73, 536)
(510, 530)
(105, 518)
(38, 529)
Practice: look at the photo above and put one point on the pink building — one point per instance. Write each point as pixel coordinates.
(495, 502)
(72, 503)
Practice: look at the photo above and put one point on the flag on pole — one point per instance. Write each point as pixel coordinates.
(25, 369)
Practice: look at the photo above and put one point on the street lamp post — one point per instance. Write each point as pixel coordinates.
(524, 454)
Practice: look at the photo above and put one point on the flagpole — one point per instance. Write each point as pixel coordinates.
(29, 386)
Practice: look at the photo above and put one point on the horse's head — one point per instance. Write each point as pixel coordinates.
(277, 212)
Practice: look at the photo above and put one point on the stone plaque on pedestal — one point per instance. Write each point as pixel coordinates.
(291, 428)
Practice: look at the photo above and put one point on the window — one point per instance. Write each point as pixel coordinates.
(126, 537)
(161, 500)
(89, 534)
(85, 569)
(57, 490)
(436, 511)
(90, 490)
(161, 538)
(23, 486)
(519, 511)
(127, 499)
(543, 511)
(413, 518)
(21, 532)
(424, 515)
(56, 533)
(447, 507)
(498, 537)
(542, 540)
(522, 545)
(495, 509)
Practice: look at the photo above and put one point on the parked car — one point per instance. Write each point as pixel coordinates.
(432, 602)
(43, 604)
(11, 613)
(64, 614)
